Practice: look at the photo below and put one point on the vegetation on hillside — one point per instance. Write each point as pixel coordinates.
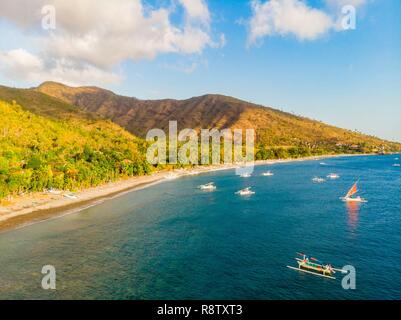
(44, 105)
(38, 153)
(56, 136)
(279, 134)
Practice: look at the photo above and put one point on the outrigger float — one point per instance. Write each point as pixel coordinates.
(316, 268)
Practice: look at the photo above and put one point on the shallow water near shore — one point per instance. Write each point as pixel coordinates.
(173, 241)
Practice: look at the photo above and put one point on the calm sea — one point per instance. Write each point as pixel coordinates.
(173, 241)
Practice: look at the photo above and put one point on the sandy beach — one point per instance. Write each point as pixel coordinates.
(19, 211)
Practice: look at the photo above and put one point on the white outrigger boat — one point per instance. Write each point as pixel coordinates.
(54, 191)
(333, 176)
(245, 192)
(318, 180)
(70, 196)
(267, 174)
(208, 186)
(245, 175)
(316, 268)
(354, 190)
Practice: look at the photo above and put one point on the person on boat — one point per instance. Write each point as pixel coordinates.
(328, 268)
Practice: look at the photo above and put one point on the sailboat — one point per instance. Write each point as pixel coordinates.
(354, 190)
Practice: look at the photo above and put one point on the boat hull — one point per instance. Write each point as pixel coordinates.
(208, 188)
(316, 270)
(245, 193)
(358, 200)
(313, 273)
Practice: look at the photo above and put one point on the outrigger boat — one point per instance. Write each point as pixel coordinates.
(245, 192)
(245, 175)
(348, 197)
(267, 174)
(318, 180)
(171, 176)
(208, 186)
(318, 269)
(70, 196)
(333, 176)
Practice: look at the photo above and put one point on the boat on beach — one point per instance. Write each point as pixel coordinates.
(245, 192)
(171, 176)
(70, 196)
(315, 267)
(54, 191)
(351, 192)
(208, 186)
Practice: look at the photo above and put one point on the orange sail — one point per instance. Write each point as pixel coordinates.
(352, 191)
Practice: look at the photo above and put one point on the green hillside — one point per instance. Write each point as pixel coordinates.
(43, 104)
(68, 138)
(38, 152)
(278, 134)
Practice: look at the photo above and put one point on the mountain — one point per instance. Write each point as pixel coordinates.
(44, 105)
(55, 136)
(274, 128)
(40, 152)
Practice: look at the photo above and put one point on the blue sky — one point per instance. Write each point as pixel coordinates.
(350, 78)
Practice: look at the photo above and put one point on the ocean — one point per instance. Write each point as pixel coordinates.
(174, 241)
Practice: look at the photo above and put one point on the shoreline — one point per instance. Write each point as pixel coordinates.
(37, 207)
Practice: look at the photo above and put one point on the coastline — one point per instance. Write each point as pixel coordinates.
(36, 207)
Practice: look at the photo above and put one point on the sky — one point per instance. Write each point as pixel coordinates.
(300, 56)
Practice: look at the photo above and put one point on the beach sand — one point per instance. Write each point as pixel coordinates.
(26, 209)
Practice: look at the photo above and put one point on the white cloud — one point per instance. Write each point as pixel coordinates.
(19, 61)
(94, 36)
(19, 64)
(283, 17)
(341, 3)
(197, 9)
(294, 17)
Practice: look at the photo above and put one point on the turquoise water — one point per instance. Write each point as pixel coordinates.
(173, 241)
